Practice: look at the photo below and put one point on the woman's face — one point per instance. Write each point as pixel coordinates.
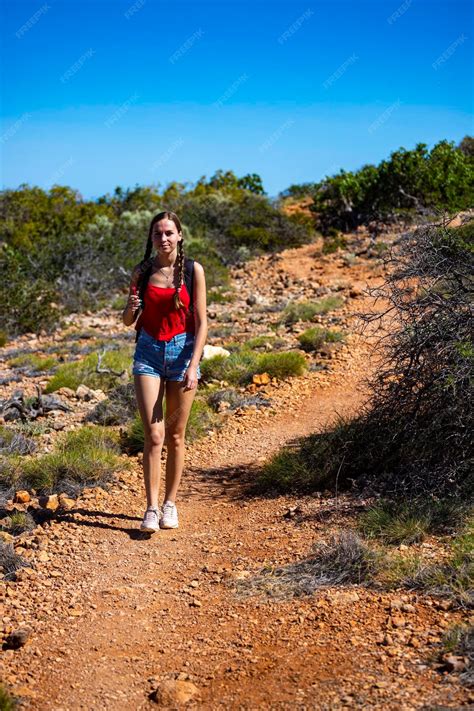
(165, 236)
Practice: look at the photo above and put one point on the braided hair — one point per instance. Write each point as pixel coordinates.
(147, 261)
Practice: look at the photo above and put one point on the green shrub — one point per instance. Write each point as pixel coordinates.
(81, 458)
(306, 310)
(394, 524)
(334, 243)
(313, 463)
(269, 342)
(281, 365)
(33, 361)
(72, 374)
(19, 521)
(233, 368)
(410, 520)
(133, 439)
(242, 364)
(313, 338)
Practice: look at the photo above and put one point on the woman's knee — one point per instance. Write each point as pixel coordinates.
(154, 438)
(174, 438)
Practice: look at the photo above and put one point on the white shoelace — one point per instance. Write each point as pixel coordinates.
(168, 508)
(150, 512)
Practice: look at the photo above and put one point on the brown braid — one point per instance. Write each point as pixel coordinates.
(177, 299)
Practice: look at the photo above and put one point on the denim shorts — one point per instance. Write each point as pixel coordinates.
(164, 359)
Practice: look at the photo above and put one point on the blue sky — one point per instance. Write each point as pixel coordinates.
(100, 93)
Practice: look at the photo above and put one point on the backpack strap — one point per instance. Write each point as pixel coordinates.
(189, 280)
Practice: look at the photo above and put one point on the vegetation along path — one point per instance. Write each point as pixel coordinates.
(120, 620)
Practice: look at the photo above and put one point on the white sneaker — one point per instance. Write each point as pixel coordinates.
(169, 515)
(150, 521)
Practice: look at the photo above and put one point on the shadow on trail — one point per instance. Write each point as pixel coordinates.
(233, 482)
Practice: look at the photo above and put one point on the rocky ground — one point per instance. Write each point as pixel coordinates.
(115, 619)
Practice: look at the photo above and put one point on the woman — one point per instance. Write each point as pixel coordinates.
(166, 361)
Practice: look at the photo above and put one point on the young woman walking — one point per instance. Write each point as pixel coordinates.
(172, 328)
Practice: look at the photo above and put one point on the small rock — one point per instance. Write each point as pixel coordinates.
(21, 497)
(211, 351)
(452, 662)
(396, 604)
(398, 621)
(25, 574)
(65, 502)
(66, 392)
(443, 605)
(49, 502)
(344, 597)
(174, 692)
(17, 638)
(292, 512)
(261, 379)
(85, 393)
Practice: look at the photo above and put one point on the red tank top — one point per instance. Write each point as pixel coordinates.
(159, 318)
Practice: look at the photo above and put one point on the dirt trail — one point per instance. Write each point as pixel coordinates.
(115, 614)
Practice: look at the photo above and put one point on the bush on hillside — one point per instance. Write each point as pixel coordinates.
(410, 183)
(414, 434)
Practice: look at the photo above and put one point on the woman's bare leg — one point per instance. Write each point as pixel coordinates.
(178, 407)
(149, 392)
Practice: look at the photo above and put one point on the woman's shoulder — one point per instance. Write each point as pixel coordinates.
(198, 266)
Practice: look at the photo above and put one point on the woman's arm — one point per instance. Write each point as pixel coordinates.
(200, 313)
(133, 304)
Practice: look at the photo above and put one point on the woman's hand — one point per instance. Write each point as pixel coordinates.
(190, 378)
(132, 306)
(133, 302)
